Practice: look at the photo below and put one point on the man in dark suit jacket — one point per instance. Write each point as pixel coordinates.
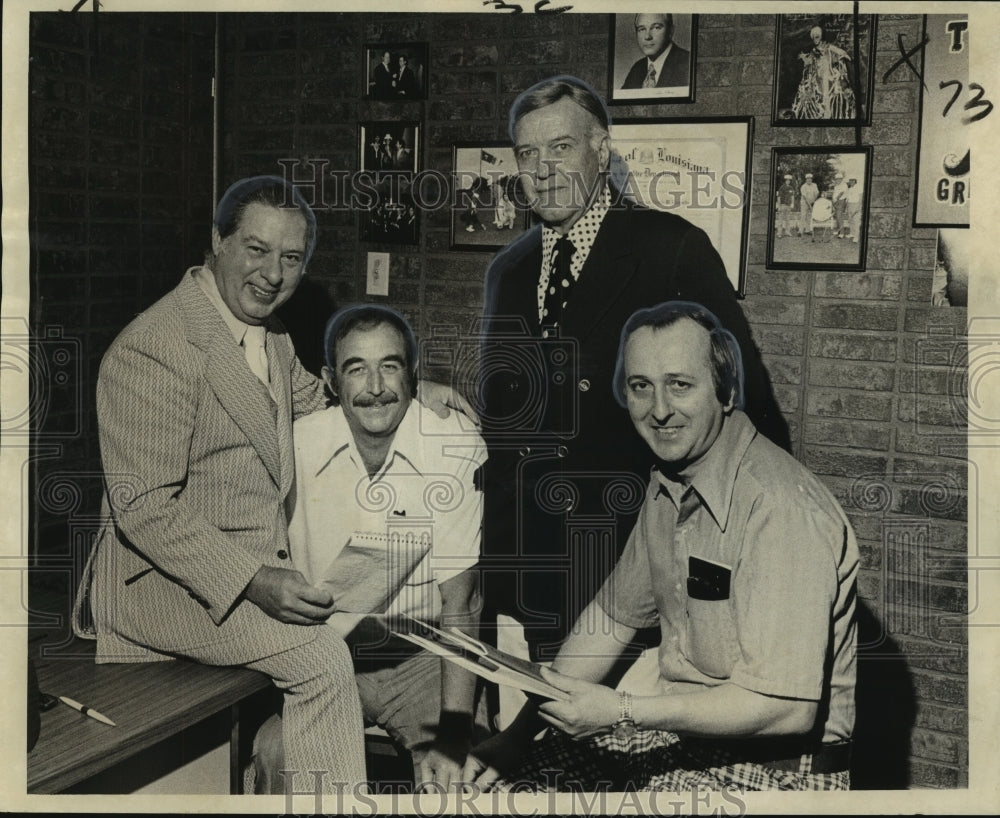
(566, 471)
(406, 80)
(670, 64)
(385, 78)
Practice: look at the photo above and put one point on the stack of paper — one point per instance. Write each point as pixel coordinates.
(482, 659)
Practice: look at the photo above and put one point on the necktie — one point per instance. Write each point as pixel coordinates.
(650, 81)
(256, 355)
(560, 281)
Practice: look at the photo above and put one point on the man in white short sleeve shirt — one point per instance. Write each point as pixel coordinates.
(379, 466)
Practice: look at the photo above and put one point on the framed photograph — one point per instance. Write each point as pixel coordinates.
(389, 159)
(395, 71)
(818, 216)
(490, 208)
(949, 104)
(389, 146)
(950, 284)
(651, 58)
(817, 79)
(697, 168)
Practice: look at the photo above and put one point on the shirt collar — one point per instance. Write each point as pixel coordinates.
(583, 232)
(339, 441)
(206, 280)
(658, 62)
(714, 476)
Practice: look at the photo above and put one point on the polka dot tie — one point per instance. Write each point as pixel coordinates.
(560, 282)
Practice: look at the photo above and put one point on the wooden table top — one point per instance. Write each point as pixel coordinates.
(149, 701)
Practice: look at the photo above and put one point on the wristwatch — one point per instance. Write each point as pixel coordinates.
(625, 727)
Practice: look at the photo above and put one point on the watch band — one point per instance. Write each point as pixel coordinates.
(625, 728)
(625, 706)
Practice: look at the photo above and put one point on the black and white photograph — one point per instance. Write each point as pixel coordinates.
(652, 58)
(490, 208)
(393, 216)
(389, 146)
(389, 159)
(823, 68)
(950, 287)
(818, 218)
(396, 71)
(528, 448)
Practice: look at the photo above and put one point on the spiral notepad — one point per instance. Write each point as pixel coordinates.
(367, 574)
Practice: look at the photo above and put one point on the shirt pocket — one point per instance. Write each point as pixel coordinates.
(711, 636)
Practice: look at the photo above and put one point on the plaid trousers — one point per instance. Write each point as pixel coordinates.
(652, 760)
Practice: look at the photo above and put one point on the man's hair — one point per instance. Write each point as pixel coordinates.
(670, 18)
(726, 360)
(268, 190)
(365, 317)
(553, 89)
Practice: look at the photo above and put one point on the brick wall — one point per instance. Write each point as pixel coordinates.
(841, 348)
(858, 360)
(120, 173)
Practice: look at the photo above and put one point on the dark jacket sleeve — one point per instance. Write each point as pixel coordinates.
(703, 279)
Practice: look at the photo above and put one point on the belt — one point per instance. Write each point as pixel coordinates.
(779, 754)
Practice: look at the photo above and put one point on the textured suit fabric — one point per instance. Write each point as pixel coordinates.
(567, 470)
(676, 70)
(198, 462)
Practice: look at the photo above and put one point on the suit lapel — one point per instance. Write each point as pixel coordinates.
(606, 274)
(520, 283)
(242, 395)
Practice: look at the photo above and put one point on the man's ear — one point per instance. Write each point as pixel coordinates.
(604, 152)
(331, 382)
(216, 241)
(730, 404)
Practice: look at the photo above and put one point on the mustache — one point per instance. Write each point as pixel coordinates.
(369, 401)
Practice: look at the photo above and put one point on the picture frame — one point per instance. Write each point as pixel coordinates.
(633, 41)
(389, 161)
(817, 230)
(950, 282)
(403, 78)
(815, 79)
(490, 208)
(698, 168)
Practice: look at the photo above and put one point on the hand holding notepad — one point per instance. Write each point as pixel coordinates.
(369, 572)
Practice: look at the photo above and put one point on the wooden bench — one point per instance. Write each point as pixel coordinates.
(149, 702)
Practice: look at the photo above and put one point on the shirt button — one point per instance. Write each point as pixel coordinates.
(561, 451)
(584, 385)
(282, 554)
(524, 451)
(545, 333)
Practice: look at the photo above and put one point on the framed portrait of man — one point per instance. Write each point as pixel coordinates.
(651, 58)
(823, 69)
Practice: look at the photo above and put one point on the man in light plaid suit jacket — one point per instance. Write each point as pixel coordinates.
(195, 401)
